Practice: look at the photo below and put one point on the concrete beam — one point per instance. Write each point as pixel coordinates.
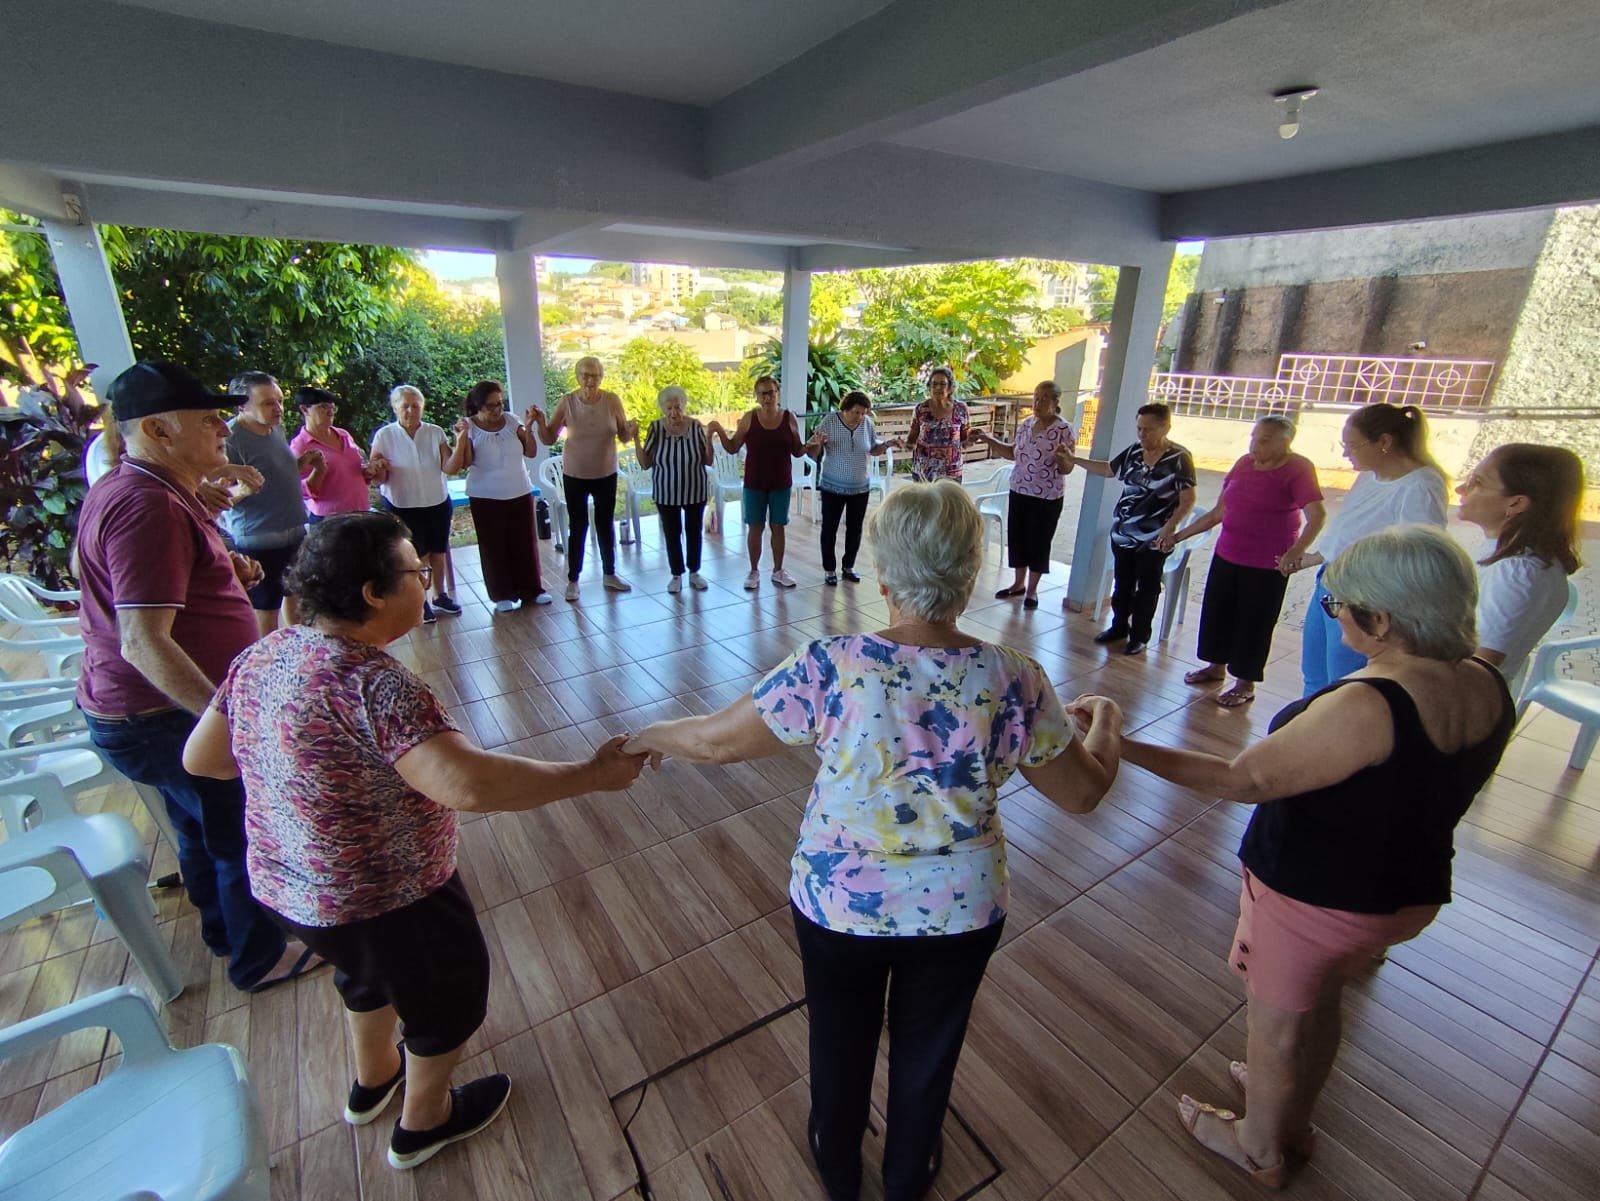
(796, 342)
(667, 248)
(292, 218)
(1556, 169)
(93, 304)
(33, 193)
(917, 61)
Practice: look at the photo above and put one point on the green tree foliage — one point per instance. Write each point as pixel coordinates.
(556, 313)
(831, 293)
(610, 270)
(41, 479)
(222, 305)
(644, 367)
(754, 308)
(33, 317)
(970, 317)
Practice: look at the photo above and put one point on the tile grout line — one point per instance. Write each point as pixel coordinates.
(1544, 1057)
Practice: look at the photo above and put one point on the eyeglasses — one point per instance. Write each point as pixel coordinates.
(425, 572)
(767, 392)
(1333, 607)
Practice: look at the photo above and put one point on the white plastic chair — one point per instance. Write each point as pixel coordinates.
(1572, 699)
(38, 630)
(725, 477)
(165, 1125)
(995, 503)
(555, 494)
(806, 481)
(54, 856)
(37, 710)
(880, 473)
(639, 484)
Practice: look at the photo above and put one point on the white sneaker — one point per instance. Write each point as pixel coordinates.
(615, 583)
(783, 579)
(544, 598)
(676, 586)
(752, 581)
(505, 606)
(697, 581)
(572, 590)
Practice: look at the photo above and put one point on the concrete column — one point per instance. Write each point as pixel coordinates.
(796, 340)
(91, 296)
(1125, 385)
(519, 322)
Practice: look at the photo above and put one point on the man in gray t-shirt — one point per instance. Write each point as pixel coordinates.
(268, 524)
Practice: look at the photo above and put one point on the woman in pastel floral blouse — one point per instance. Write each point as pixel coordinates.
(940, 427)
(1043, 455)
(898, 882)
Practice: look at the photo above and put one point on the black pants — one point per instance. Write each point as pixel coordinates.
(853, 507)
(577, 492)
(930, 983)
(1030, 529)
(1136, 590)
(1240, 608)
(681, 526)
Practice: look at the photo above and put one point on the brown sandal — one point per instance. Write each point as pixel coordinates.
(1273, 1176)
(1203, 675)
(1235, 697)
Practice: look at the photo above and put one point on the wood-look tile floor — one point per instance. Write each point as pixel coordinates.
(631, 931)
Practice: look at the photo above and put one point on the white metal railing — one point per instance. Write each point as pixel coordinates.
(1324, 379)
(1374, 379)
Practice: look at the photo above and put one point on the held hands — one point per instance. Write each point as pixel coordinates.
(238, 474)
(309, 461)
(1166, 539)
(377, 470)
(1290, 561)
(1065, 461)
(1094, 712)
(615, 766)
(462, 427)
(818, 441)
(214, 496)
(246, 568)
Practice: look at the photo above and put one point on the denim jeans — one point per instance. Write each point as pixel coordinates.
(1324, 657)
(209, 818)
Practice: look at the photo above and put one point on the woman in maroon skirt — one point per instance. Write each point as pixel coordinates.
(492, 448)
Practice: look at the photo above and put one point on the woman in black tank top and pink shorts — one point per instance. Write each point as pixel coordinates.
(1358, 789)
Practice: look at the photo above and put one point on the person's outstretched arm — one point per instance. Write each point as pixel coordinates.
(730, 735)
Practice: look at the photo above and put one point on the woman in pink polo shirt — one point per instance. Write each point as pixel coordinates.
(340, 485)
(1270, 511)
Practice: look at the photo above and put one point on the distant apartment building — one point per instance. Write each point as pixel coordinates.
(675, 282)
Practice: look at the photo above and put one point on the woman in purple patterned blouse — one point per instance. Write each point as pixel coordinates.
(1043, 454)
(353, 773)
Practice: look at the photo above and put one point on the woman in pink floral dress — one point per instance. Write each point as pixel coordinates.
(940, 427)
(1043, 454)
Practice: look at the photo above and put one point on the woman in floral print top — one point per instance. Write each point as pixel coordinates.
(940, 427)
(898, 880)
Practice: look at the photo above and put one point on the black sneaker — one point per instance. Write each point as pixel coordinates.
(472, 1107)
(365, 1103)
(1134, 647)
(1111, 634)
(428, 615)
(851, 576)
(446, 605)
(830, 578)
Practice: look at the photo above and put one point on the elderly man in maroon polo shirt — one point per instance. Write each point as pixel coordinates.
(164, 612)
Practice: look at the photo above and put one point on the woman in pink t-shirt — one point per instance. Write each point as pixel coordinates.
(1270, 511)
(341, 483)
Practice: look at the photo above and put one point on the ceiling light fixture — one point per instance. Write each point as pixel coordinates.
(1291, 99)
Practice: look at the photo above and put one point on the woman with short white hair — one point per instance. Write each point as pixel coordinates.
(677, 452)
(1358, 789)
(408, 460)
(898, 881)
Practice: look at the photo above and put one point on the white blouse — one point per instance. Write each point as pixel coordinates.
(1416, 498)
(416, 481)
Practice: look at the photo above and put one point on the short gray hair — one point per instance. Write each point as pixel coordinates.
(1286, 424)
(668, 393)
(588, 360)
(399, 390)
(1422, 579)
(927, 540)
(132, 428)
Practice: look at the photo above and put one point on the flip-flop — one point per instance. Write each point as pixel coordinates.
(1008, 593)
(1301, 1145)
(1273, 1176)
(302, 966)
(1202, 675)
(1234, 699)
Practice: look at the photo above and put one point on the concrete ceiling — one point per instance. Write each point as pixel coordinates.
(823, 133)
(690, 51)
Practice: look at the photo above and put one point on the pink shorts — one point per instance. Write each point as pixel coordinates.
(1287, 952)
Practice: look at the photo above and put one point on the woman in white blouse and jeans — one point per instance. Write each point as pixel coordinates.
(1526, 498)
(1400, 484)
(842, 443)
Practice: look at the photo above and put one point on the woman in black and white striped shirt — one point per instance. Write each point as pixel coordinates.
(678, 452)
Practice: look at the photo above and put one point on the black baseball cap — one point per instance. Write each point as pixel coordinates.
(152, 387)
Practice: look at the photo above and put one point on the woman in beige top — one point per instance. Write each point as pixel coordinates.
(595, 423)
